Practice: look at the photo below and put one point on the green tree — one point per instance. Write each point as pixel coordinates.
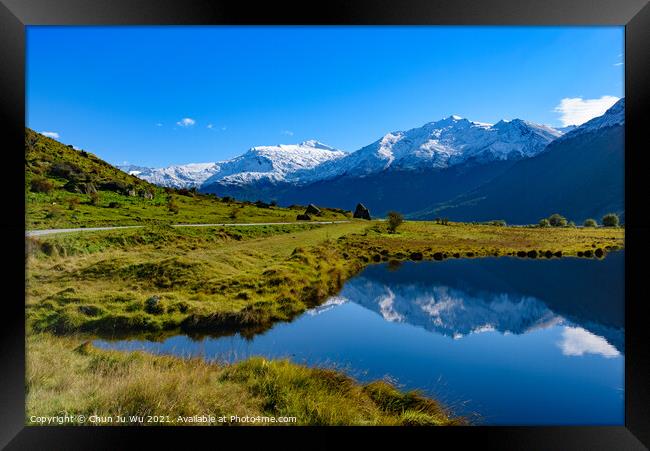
(610, 220)
(590, 223)
(394, 219)
(557, 220)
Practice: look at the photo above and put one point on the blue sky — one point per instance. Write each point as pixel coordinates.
(124, 92)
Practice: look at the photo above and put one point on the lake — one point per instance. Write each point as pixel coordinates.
(506, 341)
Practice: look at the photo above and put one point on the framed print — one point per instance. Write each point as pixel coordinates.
(346, 220)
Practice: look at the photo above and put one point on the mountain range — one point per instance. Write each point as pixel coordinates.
(452, 167)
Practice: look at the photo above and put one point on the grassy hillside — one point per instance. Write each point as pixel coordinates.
(65, 187)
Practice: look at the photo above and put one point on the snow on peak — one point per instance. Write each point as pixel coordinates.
(316, 145)
(615, 115)
(444, 143)
(272, 163)
(440, 144)
(181, 176)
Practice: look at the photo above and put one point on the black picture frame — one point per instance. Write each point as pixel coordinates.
(633, 14)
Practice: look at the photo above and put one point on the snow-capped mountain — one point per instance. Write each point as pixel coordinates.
(271, 163)
(615, 115)
(181, 176)
(581, 174)
(441, 144)
(274, 163)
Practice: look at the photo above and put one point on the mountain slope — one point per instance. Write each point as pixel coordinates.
(262, 163)
(580, 175)
(389, 190)
(441, 144)
(405, 171)
(181, 176)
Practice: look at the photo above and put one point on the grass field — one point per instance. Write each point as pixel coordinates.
(219, 280)
(67, 375)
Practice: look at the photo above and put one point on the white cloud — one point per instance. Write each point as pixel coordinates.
(577, 111)
(287, 132)
(186, 122)
(54, 135)
(577, 341)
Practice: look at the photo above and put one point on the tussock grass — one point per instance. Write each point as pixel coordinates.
(68, 375)
(216, 281)
(208, 285)
(427, 240)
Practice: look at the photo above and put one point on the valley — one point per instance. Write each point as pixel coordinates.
(250, 266)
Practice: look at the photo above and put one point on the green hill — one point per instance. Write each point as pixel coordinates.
(65, 187)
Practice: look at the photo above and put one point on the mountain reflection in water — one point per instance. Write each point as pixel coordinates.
(517, 341)
(500, 294)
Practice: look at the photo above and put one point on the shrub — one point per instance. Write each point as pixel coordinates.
(590, 223)
(172, 206)
(94, 198)
(610, 220)
(41, 185)
(557, 220)
(73, 202)
(115, 186)
(54, 212)
(153, 305)
(544, 222)
(394, 219)
(65, 170)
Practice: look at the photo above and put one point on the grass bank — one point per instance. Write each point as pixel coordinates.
(66, 375)
(222, 280)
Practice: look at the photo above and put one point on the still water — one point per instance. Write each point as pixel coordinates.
(502, 340)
